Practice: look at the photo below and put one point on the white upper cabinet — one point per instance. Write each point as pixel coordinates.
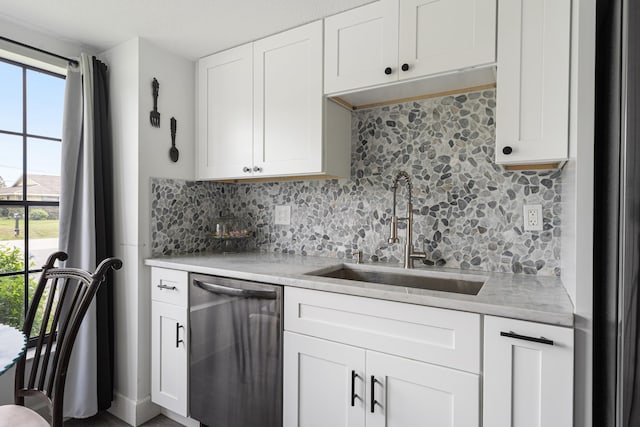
(438, 36)
(225, 122)
(288, 102)
(360, 44)
(532, 111)
(393, 40)
(262, 113)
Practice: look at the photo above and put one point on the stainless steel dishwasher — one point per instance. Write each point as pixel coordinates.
(235, 357)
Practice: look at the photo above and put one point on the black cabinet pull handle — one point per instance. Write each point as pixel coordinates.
(246, 169)
(169, 288)
(541, 340)
(354, 396)
(178, 340)
(507, 150)
(405, 67)
(388, 71)
(373, 394)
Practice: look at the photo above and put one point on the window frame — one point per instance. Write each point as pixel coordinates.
(25, 203)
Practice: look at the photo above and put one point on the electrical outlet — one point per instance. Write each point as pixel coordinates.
(532, 217)
(283, 215)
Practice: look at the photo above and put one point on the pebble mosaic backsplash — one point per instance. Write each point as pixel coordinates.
(468, 212)
(181, 215)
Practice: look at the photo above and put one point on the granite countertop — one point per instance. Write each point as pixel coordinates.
(525, 297)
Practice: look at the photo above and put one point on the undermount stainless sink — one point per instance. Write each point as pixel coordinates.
(437, 282)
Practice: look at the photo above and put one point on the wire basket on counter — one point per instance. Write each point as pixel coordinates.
(232, 233)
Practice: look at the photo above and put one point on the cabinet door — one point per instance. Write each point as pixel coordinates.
(416, 394)
(532, 105)
(225, 120)
(360, 44)
(288, 102)
(446, 35)
(526, 383)
(169, 363)
(317, 383)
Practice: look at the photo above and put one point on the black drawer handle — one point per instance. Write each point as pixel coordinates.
(373, 398)
(354, 396)
(169, 288)
(178, 340)
(541, 340)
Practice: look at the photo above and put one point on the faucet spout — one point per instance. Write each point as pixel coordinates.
(409, 254)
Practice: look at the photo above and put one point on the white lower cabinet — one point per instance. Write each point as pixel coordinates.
(527, 383)
(415, 394)
(169, 360)
(332, 384)
(317, 383)
(353, 361)
(169, 340)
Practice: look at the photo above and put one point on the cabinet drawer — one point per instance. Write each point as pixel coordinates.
(434, 335)
(170, 286)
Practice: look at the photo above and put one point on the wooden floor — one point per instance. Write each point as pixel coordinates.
(107, 420)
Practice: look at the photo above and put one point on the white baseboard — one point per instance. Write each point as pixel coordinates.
(185, 421)
(133, 412)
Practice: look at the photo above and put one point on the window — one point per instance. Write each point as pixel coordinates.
(31, 105)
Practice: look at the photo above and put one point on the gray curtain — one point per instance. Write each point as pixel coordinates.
(77, 228)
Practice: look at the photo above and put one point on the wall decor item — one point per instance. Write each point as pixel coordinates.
(173, 151)
(154, 116)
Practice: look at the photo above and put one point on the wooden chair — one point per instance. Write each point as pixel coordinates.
(74, 289)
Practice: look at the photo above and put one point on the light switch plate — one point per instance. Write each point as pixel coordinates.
(283, 215)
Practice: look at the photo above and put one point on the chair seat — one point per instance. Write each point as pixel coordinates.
(16, 415)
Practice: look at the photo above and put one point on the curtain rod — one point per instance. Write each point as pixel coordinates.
(69, 60)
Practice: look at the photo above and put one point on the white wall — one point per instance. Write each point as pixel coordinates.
(141, 152)
(577, 215)
(176, 99)
(123, 67)
(40, 40)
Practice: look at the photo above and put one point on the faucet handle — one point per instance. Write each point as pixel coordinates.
(393, 230)
(357, 256)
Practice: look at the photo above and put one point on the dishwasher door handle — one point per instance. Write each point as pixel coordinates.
(236, 292)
